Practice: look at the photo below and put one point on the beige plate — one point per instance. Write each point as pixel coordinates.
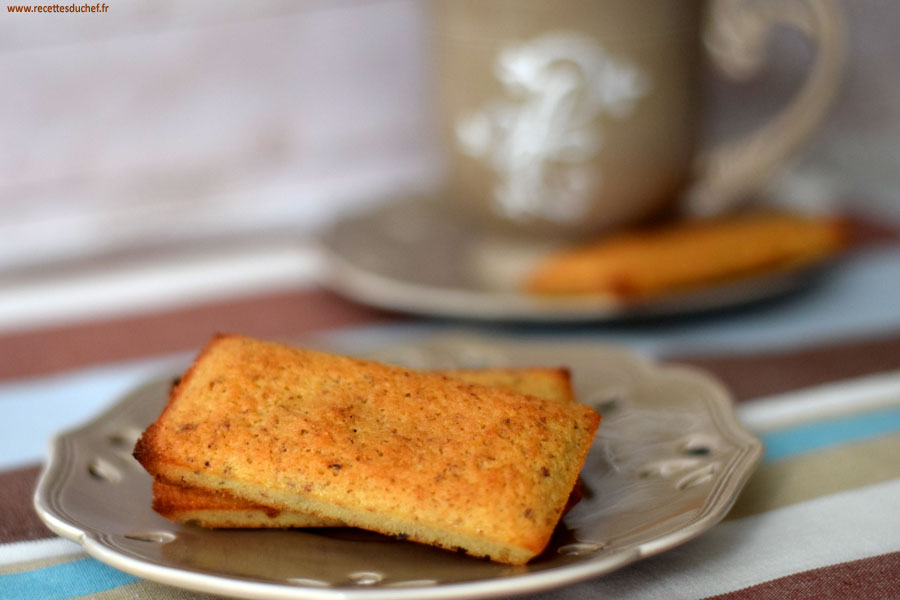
(667, 464)
(416, 256)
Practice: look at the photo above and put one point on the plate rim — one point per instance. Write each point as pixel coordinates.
(717, 503)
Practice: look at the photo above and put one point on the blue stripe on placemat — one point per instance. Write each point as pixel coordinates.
(69, 580)
(822, 434)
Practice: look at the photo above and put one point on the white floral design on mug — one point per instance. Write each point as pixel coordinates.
(540, 137)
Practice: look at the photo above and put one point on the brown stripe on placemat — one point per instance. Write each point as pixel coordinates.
(282, 314)
(863, 231)
(18, 521)
(750, 376)
(877, 577)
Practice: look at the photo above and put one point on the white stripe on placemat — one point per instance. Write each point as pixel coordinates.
(857, 395)
(36, 550)
(138, 287)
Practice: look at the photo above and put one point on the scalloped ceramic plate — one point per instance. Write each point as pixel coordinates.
(668, 462)
(417, 256)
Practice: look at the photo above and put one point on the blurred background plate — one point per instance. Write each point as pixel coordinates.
(416, 255)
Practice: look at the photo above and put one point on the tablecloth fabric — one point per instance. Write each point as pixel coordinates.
(819, 518)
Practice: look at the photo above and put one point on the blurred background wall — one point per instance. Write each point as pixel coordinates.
(160, 127)
(170, 122)
(854, 158)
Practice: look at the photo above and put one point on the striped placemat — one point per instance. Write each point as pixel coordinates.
(818, 519)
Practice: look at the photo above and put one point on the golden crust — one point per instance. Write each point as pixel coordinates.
(222, 510)
(378, 447)
(543, 382)
(689, 254)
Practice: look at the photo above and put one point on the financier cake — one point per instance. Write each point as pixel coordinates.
(418, 455)
(644, 263)
(218, 509)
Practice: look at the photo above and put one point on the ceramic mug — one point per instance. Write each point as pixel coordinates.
(578, 116)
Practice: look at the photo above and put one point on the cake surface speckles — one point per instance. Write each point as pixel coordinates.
(409, 453)
(222, 510)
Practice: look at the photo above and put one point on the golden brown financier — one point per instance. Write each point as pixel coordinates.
(217, 509)
(419, 455)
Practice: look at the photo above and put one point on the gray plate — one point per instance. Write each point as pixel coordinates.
(417, 256)
(668, 462)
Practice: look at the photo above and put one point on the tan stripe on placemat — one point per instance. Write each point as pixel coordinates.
(873, 578)
(148, 589)
(40, 563)
(793, 480)
(18, 521)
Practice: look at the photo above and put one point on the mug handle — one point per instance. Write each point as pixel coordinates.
(735, 38)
